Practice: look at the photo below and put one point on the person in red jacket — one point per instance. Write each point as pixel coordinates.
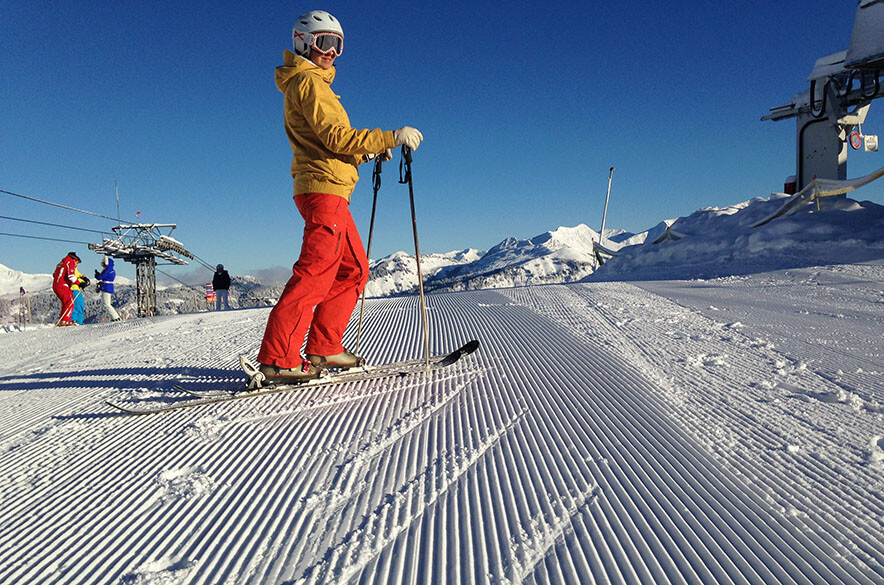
(63, 278)
(332, 268)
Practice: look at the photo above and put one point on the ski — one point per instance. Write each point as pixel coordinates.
(355, 374)
(380, 372)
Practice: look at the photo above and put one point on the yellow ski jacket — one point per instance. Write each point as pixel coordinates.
(326, 149)
(79, 275)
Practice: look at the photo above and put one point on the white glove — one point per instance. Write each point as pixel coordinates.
(410, 137)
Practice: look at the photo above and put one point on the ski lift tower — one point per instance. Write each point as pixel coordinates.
(842, 87)
(142, 244)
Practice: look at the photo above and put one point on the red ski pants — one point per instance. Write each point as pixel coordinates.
(66, 296)
(326, 282)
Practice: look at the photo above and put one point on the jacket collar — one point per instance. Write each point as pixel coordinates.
(294, 64)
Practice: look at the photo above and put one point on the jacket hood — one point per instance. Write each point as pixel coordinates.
(293, 65)
(110, 263)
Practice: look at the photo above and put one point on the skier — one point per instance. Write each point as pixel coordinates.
(332, 268)
(63, 278)
(79, 312)
(105, 280)
(221, 285)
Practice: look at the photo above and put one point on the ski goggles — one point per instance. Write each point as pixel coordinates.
(326, 42)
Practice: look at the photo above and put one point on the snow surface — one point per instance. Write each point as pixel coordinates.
(693, 430)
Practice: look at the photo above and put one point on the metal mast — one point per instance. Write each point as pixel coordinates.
(142, 244)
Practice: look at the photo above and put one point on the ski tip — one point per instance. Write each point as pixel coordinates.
(459, 353)
(121, 408)
(470, 347)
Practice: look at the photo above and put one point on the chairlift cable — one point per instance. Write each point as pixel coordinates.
(193, 286)
(43, 238)
(59, 205)
(114, 219)
(69, 227)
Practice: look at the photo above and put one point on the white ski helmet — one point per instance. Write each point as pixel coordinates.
(312, 22)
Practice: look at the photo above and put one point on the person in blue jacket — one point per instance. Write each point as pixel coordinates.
(105, 280)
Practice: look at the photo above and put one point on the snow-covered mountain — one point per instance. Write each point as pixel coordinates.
(11, 281)
(562, 255)
(711, 242)
(43, 304)
(397, 273)
(721, 241)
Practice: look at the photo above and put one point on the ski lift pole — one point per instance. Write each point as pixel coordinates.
(605, 212)
(406, 161)
(376, 186)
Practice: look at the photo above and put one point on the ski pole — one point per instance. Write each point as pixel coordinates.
(406, 161)
(376, 186)
(598, 253)
(605, 212)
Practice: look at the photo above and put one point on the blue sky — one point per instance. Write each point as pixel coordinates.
(523, 109)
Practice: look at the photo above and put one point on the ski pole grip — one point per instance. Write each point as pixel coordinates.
(376, 174)
(405, 165)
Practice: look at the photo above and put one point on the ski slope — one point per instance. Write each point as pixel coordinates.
(721, 431)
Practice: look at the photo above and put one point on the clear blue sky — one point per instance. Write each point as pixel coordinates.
(523, 106)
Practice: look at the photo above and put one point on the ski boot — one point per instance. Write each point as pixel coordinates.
(342, 361)
(270, 375)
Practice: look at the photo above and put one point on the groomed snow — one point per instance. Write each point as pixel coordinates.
(693, 431)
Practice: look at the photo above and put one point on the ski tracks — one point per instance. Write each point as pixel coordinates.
(600, 434)
(771, 420)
